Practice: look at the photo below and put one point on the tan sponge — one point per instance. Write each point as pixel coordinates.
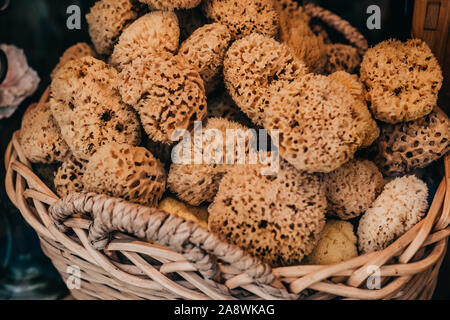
(171, 4)
(244, 17)
(127, 172)
(277, 218)
(403, 80)
(400, 206)
(88, 108)
(68, 178)
(167, 92)
(198, 215)
(342, 57)
(40, 136)
(76, 51)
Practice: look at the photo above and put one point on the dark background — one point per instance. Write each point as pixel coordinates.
(39, 27)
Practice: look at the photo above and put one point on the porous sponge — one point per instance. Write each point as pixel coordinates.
(369, 127)
(205, 49)
(352, 188)
(198, 183)
(171, 4)
(127, 172)
(68, 178)
(341, 57)
(276, 218)
(407, 146)
(76, 51)
(337, 244)
(318, 128)
(150, 34)
(40, 137)
(403, 80)
(167, 92)
(88, 109)
(400, 206)
(253, 67)
(107, 19)
(198, 215)
(244, 17)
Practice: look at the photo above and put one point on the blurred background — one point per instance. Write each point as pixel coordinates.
(39, 27)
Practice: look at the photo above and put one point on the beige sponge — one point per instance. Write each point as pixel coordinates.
(400, 206)
(198, 183)
(88, 108)
(198, 215)
(277, 218)
(407, 146)
(318, 128)
(171, 4)
(150, 34)
(68, 178)
(337, 244)
(244, 17)
(352, 188)
(253, 67)
(40, 136)
(76, 51)
(131, 173)
(205, 49)
(403, 80)
(107, 19)
(342, 57)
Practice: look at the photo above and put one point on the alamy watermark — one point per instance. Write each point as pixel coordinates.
(73, 281)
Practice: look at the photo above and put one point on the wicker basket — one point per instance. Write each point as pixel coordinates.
(126, 251)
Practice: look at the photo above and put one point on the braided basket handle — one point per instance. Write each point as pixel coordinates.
(348, 31)
(199, 246)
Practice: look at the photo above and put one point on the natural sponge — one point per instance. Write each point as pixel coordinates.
(205, 49)
(253, 67)
(403, 80)
(171, 4)
(400, 206)
(369, 129)
(244, 17)
(318, 128)
(167, 92)
(342, 57)
(337, 244)
(76, 51)
(150, 34)
(40, 136)
(198, 215)
(277, 218)
(107, 19)
(68, 178)
(407, 146)
(88, 109)
(352, 188)
(131, 173)
(197, 183)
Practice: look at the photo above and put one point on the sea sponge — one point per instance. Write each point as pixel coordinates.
(107, 19)
(403, 80)
(369, 127)
(198, 215)
(160, 150)
(337, 244)
(277, 218)
(68, 178)
(167, 92)
(352, 188)
(318, 128)
(222, 105)
(76, 51)
(150, 34)
(244, 17)
(40, 137)
(341, 57)
(404, 147)
(205, 49)
(400, 206)
(253, 67)
(196, 183)
(88, 108)
(128, 172)
(169, 5)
